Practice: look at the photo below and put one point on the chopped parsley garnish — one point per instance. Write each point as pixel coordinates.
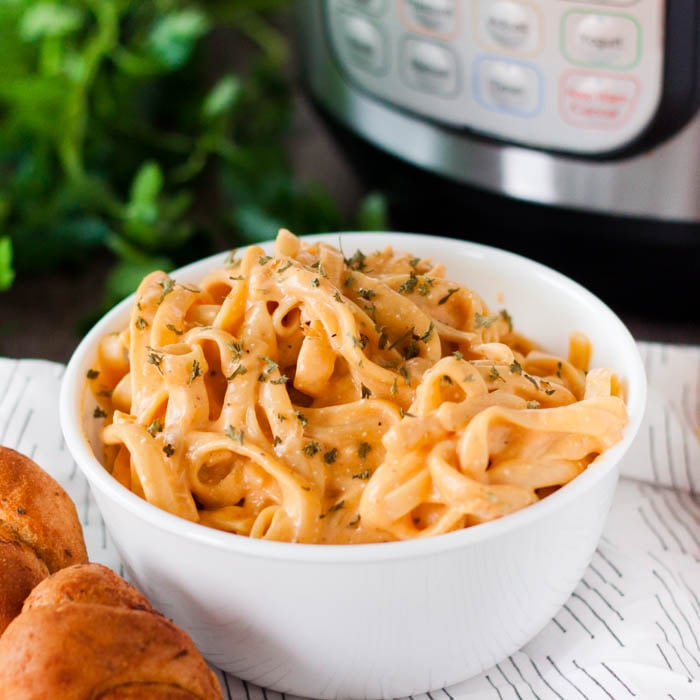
(364, 449)
(494, 374)
(447, 296)
(172, 328)
(516, 367)
(458, 355)
(533, 404)
(364, 474)
(99, 413)
(195, 372)
(507, 318)
(234, 434)
(426, 336)
(154, 358)
(354, 521)
(366, 391)
(315, 282)
(282, 379)
(141, 323)
(405, 414)
(277, 441)
(169, 450)
(483, 320)
(264, 259)
(357, 261)
(330, 456)
(366, 293)
(92, 374)
(155, 427)
(336, 506)
(408, 286)
(241, 369)
(311, 448)
(302, 418)
(168, 285)
(285, 267)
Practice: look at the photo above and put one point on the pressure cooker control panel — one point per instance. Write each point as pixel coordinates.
(571, 75)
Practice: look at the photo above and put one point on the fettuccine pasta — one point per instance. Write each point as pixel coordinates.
(304, 396)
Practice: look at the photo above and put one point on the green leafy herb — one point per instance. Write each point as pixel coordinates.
(99, 413)
(234, 433)
(92, 374)
(169, 450)
(155, 427)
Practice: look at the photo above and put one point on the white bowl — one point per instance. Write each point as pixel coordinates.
(376, 620)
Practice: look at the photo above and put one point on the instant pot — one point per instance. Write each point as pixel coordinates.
(565, 130)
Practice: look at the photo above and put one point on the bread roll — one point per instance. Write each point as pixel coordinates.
(85, 632)
(40, 531)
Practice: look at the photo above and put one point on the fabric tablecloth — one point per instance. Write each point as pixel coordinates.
(631, 628)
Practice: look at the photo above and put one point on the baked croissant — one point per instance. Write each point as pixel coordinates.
(40, 531)
(85, 632)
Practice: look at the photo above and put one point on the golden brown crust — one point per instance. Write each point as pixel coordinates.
(36, 510)
(20, 571)
(87, 583)
(63, 645)
(147, 691)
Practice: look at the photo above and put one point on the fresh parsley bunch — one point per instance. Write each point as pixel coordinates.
(153, 130)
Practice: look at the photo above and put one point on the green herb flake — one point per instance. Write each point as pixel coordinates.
(264, 259)
(169, 450)
(483, 321)
(168, 285)
(92, 374)
(301, 417)
(366, 293)
(428, 333)
(277, 441)
(311, 448)
(533, 404)
(354, 521)
(516, 367)
(495, 375)
(330, 456)
(408, 286)
(195, 372)
(366, 391)
(172, 329)
(285, 267)
(155, 427)
(99, 412)
(357, 261)
(458, 355)
(445, 299)
(364, 474)
(549, 392)
(507, 318)
(141, 323)
(315, 282)
(364, 449)
(241, 369)
(336, 506)
(234, 434)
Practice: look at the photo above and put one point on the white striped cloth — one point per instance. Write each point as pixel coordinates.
(631, 629)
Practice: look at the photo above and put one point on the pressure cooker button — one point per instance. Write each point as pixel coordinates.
(509, 24)
(589, 100)
(432, 16)
(374, 7)
(508, 86)
(606, 40)
(363, 44)
(429, 67)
